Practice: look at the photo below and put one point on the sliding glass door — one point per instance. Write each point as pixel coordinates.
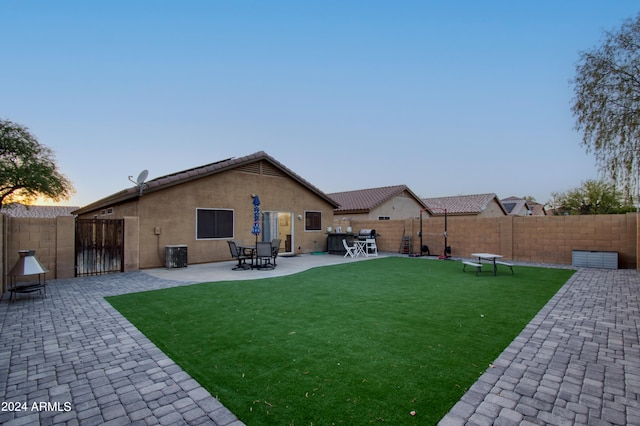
(278, 225)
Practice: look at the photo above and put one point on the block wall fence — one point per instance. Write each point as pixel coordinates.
(540, 239)
(53, 239)
(544, 239)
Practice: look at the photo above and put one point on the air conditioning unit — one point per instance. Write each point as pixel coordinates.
(176, 256)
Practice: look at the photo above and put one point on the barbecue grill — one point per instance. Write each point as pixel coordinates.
(365, 234)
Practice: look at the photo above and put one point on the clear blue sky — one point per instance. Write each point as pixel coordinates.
(447, 97)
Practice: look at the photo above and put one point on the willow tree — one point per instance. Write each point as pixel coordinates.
(27, 168)
(607, 104)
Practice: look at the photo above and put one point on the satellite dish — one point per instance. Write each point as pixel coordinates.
(142, 177)
(140, 180)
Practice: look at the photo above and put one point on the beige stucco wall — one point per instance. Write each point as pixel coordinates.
(173, 211)
(131, 243)
(493, 209)
(400, 207)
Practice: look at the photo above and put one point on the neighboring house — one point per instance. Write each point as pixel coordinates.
(385, 203)
(207, 206)
(516, 206)
(21, 210)
(484, 205)
(537, 209)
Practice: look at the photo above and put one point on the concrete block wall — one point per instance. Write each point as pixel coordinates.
(65, 247)
(53, 239)
(37, 234)
(545, 239)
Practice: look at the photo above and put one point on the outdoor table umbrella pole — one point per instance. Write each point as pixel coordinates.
(445, 233)
(255, 230)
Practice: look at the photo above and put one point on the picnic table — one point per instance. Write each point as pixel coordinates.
(484, 258)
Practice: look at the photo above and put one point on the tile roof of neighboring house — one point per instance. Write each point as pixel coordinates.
(20, 210)
(461, 204)
(365, 200)
(185, 176)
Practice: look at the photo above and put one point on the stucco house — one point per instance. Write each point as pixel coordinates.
(206, 206)
(537, 209)
(482, 205)
(384, 203)
(516, 206)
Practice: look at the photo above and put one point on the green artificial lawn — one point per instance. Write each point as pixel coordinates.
(358, 343)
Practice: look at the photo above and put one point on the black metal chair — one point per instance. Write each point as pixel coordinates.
(239, 254)
(275, 248)
(264, 255)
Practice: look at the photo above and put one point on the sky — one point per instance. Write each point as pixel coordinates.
(446, 97)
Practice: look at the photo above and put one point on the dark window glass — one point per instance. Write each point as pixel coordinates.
(313, 221)
(213, 223)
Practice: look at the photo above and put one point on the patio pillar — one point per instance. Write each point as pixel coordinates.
(131, 243)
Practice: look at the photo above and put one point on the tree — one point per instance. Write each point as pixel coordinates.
(607, 105)
(27, 168)
(593, 197)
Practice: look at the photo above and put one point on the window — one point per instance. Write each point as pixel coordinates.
(312, 221)
(384, 218)
(214, 223)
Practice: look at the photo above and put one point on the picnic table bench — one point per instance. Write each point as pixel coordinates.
(507, 264)
(466, 263)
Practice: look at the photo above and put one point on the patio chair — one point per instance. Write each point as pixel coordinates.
(264, 255)
(275, 248)
(237, 253)
(371, 247)
(351, 250)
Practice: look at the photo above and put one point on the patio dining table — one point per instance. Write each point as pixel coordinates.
(248, 251)
(361, 248)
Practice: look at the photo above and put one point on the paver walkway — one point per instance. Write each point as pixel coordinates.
(72, 359)
(73, 349)
(576, 363)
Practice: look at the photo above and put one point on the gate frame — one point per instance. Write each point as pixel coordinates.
(98, 247)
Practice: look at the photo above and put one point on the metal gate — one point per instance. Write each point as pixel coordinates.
(99, 246)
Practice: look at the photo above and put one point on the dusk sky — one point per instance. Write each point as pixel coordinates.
(447, 97)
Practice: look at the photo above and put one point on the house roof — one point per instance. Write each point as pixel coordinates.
(200, 172)
(21, 210)
(365, 200)
(514, 204)
(538, 209)
(462, 204)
